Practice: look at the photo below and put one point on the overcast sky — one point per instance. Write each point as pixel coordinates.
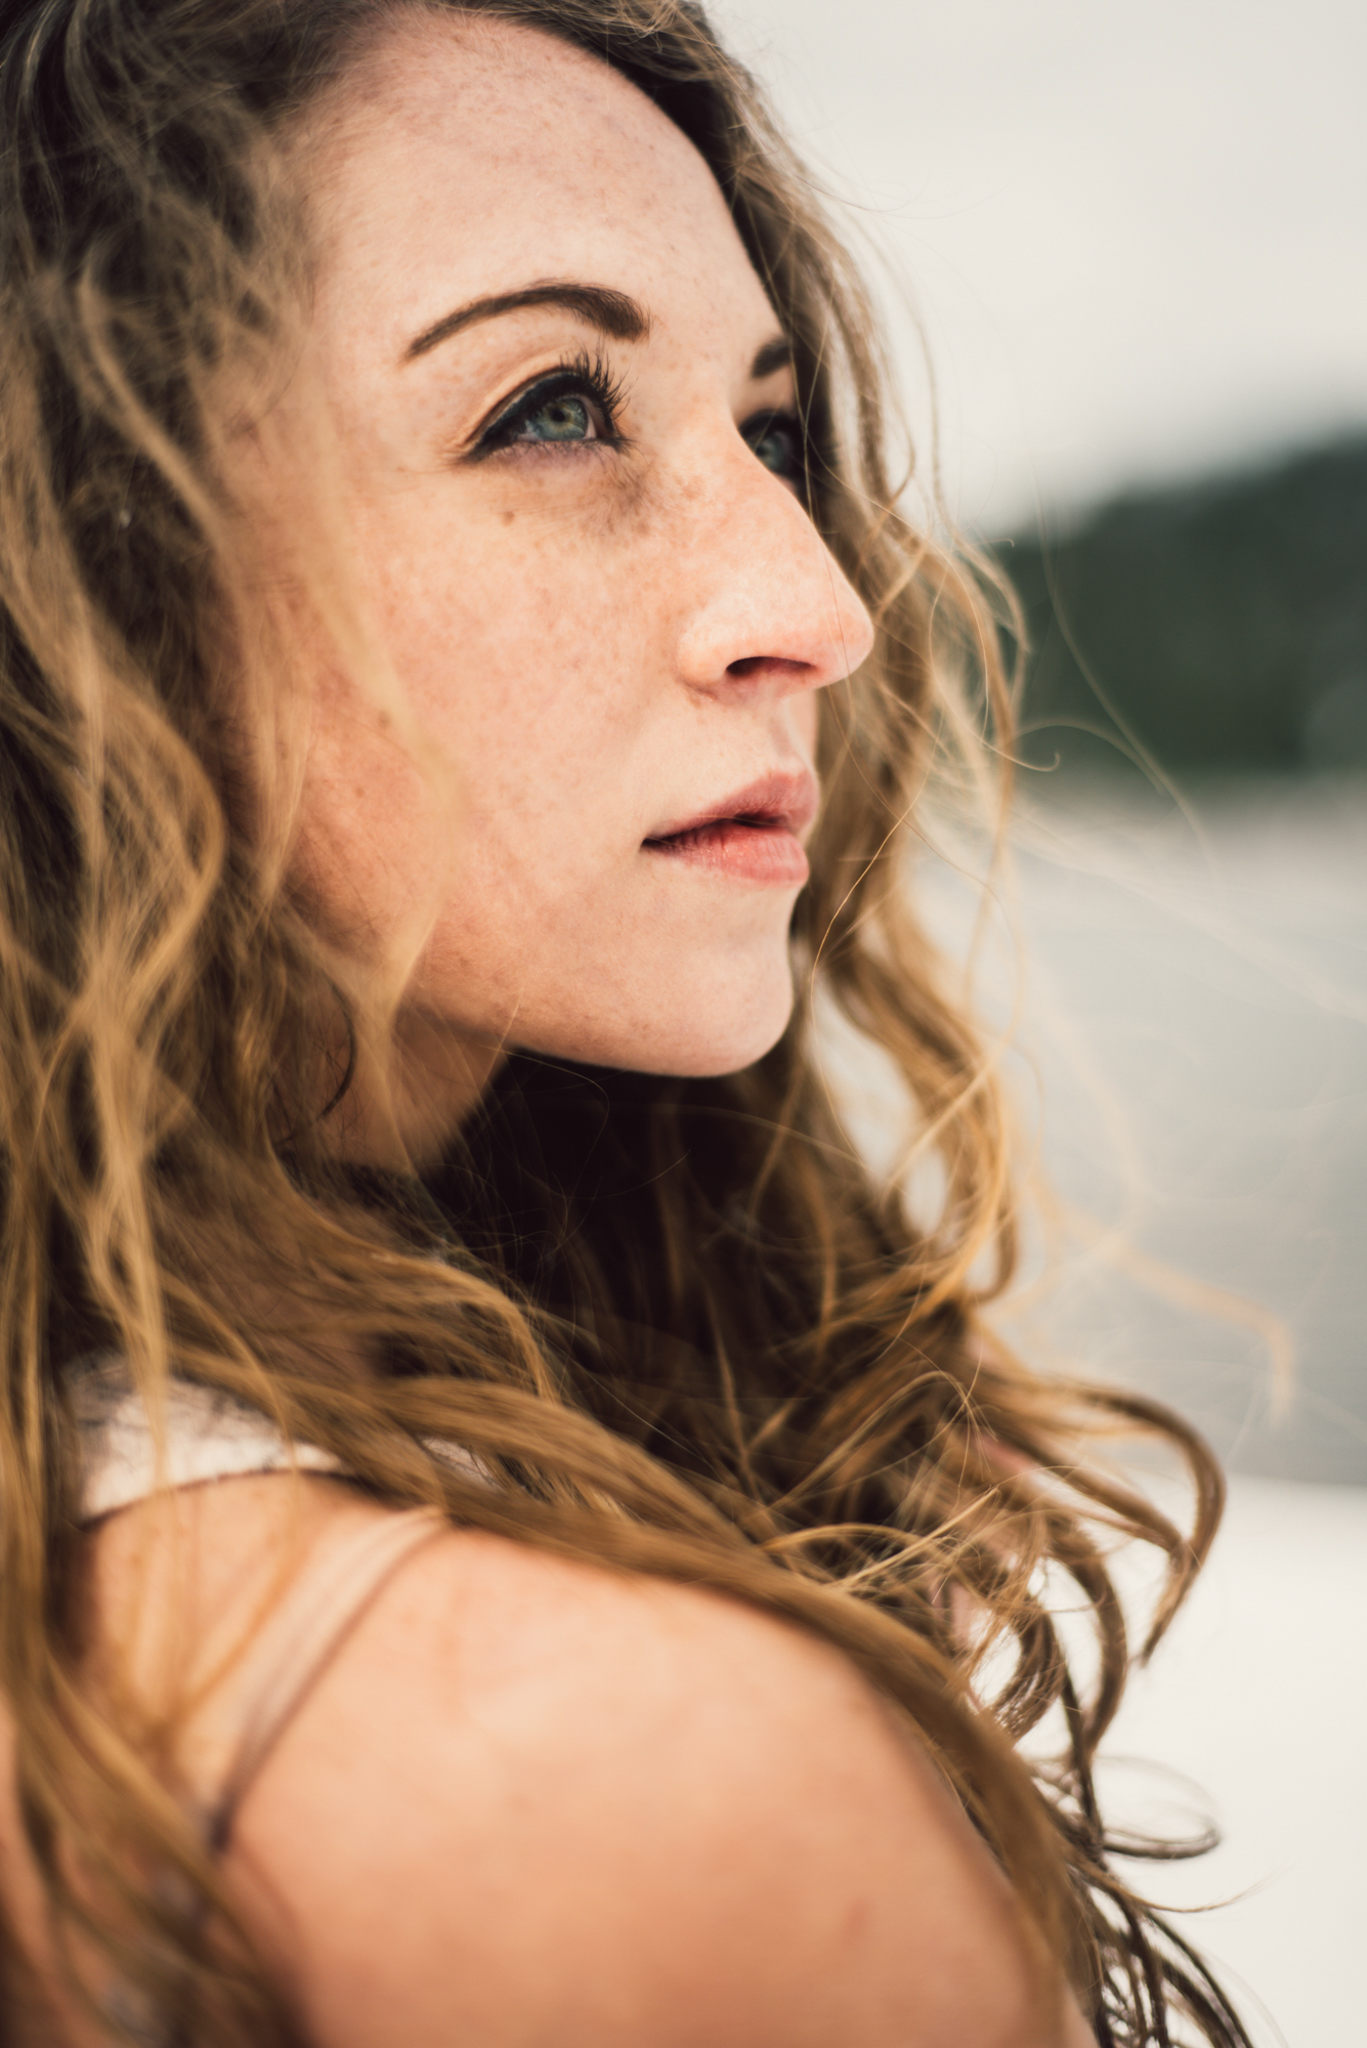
(1136, 235)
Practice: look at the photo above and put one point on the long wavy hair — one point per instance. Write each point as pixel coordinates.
(679, 1318)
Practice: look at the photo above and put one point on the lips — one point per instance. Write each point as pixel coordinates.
(752, 834)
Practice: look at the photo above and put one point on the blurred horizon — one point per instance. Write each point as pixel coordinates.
(1203, 629)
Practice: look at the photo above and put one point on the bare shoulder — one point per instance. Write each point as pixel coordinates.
(531, 1800)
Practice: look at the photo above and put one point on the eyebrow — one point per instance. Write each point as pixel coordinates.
(774, 356)
(610, 312)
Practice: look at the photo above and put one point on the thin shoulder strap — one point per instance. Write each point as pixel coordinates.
(299, 1642)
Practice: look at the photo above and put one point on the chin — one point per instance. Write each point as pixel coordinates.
(726, 1055)
(702, 1030)
(695, 1012)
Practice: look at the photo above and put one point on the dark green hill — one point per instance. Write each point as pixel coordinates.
(1225, 622)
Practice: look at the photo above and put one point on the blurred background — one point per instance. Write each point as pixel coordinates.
(1122, 251)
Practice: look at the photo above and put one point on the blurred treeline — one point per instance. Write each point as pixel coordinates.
(1222, 625)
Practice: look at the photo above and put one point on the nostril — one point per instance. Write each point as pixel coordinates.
(754, 664)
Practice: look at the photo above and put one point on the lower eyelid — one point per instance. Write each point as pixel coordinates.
(554, 451)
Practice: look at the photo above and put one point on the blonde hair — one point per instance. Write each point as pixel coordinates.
(721, 1353)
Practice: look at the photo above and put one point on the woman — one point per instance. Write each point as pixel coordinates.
(508, 1533)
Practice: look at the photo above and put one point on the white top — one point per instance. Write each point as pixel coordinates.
(208, 1435)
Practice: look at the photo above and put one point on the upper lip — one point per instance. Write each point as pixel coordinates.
(787, 797)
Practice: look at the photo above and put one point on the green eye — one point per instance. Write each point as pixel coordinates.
(564, 418)
(776, 438)
(572, 407)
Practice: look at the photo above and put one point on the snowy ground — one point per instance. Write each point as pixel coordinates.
(1259, 1699)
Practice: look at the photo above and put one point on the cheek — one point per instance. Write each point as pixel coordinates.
(374, 849)
(526, 668)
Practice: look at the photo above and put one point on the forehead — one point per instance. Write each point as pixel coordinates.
(460, 157)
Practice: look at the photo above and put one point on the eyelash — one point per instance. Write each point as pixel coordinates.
(589, 377)
(580, 376)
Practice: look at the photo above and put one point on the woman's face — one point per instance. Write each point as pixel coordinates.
(560, 394)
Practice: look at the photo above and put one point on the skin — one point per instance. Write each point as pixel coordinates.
(530, 1802)
(595, 643)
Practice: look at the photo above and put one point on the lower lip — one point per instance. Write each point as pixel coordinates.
(753, 853)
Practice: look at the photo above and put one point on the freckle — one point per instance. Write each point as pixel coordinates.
(509, 516)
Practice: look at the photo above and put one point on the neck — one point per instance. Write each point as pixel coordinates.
(402, 1110)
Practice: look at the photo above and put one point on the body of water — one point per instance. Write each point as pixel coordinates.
(1181, 1002)
(1196, 1010)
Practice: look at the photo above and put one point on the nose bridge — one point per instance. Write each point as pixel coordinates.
(762, 585)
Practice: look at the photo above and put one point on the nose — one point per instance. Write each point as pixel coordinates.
(765, 603)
